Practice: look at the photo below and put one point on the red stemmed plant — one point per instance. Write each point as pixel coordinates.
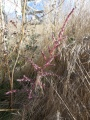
(47, 62)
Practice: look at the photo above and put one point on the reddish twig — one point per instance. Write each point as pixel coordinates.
(13, 23)
(63, 27)
(48, 62)
(44, 57)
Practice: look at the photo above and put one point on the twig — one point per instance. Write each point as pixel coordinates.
(22, 36)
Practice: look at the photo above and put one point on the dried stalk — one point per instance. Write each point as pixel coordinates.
(3, 25)
(22, 36)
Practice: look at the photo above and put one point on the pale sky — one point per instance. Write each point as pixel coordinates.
(12, 6)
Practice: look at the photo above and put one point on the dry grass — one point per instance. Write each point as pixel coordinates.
(70, 94)
(66, 97)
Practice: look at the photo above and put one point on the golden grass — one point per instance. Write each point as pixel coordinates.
(70, 93)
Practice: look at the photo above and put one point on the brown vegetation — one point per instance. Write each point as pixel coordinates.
(45, 79)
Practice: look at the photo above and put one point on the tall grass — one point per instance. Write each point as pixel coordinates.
(47, 72)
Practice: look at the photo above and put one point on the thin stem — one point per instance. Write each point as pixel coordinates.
(22, 36)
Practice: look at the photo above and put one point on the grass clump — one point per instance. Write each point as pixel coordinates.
(47, 78)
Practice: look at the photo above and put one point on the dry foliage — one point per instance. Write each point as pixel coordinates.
(45, 77)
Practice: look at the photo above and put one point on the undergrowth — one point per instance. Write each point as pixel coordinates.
(47, 83)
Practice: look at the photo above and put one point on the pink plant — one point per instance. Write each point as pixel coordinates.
(63, 27)
(24, 79)
(36, 67)
(48, 62)
(10, 92)
(30, 94)
(13, 23)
